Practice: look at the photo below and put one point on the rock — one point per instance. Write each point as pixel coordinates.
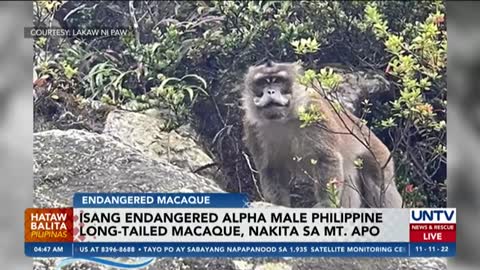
(262, 204)
(336, 263)
(144, 133)
(63, 110)
(279, 264)
(358, 85)
(72, 161)
(273, 266)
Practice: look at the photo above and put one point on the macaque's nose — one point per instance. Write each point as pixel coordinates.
(270, 91)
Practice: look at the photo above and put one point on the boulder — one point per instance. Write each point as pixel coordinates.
(358, 85)
(72, 161)
(355, 86)
(145, 133)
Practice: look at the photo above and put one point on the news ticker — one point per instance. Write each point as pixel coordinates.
(223, 225)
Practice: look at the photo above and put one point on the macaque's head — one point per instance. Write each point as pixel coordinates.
(268, 89)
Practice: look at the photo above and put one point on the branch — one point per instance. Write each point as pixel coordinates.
(255, 181)
(131, 10)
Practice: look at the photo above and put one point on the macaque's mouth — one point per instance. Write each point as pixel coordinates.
(274, 111)
(274, 116)
(274, 105)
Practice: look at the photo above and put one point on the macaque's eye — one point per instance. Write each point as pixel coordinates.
(261, 82)
(272, 79)
(268, 81)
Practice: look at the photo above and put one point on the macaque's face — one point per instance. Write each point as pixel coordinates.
(271, 91)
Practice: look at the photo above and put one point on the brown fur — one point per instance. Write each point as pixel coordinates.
(282, 150)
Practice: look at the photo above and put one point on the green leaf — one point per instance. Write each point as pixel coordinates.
(190, 92)
(196, 77)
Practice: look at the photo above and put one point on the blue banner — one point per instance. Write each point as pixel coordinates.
(160, 200)
(211, 249)
(49, 249)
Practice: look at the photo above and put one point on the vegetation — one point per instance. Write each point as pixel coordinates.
(185, 57)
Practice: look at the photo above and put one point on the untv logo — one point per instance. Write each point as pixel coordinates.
(433, 215)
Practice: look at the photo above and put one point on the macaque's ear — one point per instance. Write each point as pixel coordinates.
(251, 70)
(298, 69)
(269, 63)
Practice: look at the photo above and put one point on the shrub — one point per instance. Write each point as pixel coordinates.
(187, 58)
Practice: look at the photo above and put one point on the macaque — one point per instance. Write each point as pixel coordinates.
(337, 149)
